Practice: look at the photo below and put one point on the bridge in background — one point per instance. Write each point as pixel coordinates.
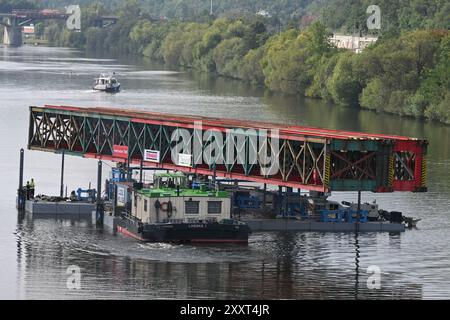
(309, 158)
(15, 20)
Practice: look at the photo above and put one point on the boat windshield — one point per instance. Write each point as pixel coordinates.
(163, 182)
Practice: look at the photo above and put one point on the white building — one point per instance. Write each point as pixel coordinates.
(354, 43)
(263, 13)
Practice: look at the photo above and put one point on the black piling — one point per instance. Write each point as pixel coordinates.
(20, 192)
(265, 196)
(61, 192)
(114, 198)
(286, 200)
(129, 170)
(280, 200)
(358, 212)
(214, 175)
(100, 209)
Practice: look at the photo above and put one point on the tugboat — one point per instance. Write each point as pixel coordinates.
(170, 211)
(107, 83)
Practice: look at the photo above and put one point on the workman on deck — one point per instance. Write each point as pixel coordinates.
(27, 190)
(32, 188)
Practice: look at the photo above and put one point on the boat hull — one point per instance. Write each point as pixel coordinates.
(107, 89)
(185, 232)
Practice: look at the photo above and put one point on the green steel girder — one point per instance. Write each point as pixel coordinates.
(315, 163)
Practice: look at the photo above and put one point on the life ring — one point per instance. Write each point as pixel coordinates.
(164, 206)
(167, 207)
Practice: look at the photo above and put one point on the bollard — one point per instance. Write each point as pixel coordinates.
(20, 191)
(99, 208)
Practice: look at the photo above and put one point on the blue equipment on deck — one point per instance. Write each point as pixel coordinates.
(243, 200)
(290, 205)
(196, 184)
(343, 215)
(353, 217)
(333, 215)
(86, 195)
(118, 175)
(293, 210)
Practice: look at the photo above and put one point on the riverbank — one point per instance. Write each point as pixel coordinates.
(37, 252)
(404, 73)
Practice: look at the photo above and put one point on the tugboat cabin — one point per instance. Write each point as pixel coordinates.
(172, 201)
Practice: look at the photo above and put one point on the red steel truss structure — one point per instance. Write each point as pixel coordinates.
(308, 158)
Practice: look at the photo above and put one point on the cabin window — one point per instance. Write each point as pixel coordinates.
(214, 207)
(192, 207)
(145, 205)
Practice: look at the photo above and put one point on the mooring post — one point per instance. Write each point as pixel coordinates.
(114, 198)
(280, 200)
(264, 196)
(99, 211)
(20, 191)
(61, 192)
(129, 170)
(214, 174)
(286, 203)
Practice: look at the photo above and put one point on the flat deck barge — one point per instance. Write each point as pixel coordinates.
(38, 207)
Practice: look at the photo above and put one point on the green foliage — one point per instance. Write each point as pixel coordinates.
(396, 16)
(228, 56)
(281, 65)
(318, 88)
(8, 5)
(291, 60)
(95, 38)
(436, 86)
(415, 105)
(375, 95)
(251, 69)
(439, 111)
(406, 72)
(413, 75)
(344, 85)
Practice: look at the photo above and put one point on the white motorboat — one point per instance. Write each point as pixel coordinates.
(107, 83)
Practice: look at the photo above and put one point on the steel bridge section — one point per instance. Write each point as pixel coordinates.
(320, 160)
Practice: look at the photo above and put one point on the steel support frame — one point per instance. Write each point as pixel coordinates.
(304, 162)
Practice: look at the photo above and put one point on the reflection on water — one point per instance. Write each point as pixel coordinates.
(35, 253)
(272, 266)
(356, 265)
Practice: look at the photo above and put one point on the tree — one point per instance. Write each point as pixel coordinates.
(344, 86)
(251, 69)
(374, 95)
(291, 59)
(228, 56)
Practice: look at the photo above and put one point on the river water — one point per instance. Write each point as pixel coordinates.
(35, 254)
